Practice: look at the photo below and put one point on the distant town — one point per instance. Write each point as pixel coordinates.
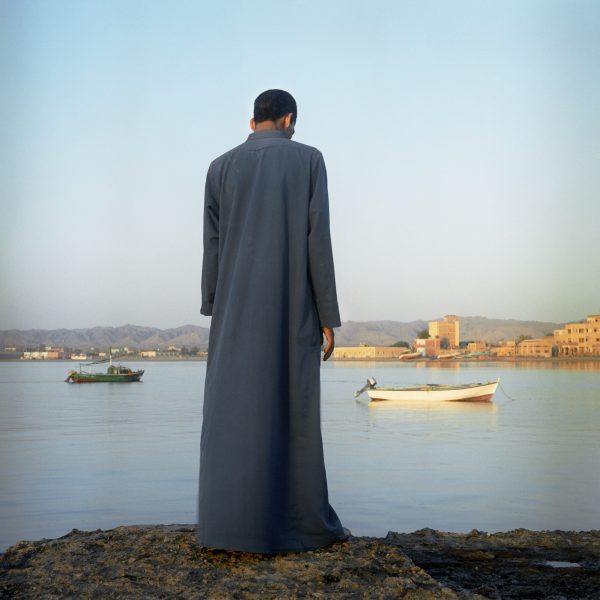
(440, 340)
(50, 353)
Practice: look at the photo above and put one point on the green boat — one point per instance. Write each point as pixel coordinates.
(114, 373)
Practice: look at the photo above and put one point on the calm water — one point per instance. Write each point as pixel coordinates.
(90, 456)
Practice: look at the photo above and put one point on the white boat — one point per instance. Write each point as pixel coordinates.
(449, 355)
(470, 392)
(411, 356)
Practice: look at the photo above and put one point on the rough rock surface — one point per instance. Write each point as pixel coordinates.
(158, 561)
(513, 564)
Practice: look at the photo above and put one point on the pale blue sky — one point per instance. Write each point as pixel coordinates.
(462, 141)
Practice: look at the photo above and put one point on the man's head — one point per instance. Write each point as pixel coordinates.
(275, 109)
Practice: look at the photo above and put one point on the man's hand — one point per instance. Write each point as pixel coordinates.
(328, 332)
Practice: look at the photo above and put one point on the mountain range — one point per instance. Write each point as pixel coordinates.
(351, 333)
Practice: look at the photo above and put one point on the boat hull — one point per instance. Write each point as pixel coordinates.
(479, 392)
(103, 377)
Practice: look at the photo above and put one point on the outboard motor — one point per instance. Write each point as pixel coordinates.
(371, 383)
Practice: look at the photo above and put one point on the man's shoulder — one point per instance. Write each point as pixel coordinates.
(223, 158)
(305, 148)
(283, 144)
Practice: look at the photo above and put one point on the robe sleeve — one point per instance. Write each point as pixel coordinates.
(210, 258)
(320, 255)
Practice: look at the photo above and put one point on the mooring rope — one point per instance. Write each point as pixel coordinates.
(504, 392)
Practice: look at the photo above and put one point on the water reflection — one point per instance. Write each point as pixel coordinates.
(453, 407)
(467, 415)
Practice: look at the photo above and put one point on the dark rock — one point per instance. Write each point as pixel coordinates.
(509, 564)
(157, 561)
(164, 561)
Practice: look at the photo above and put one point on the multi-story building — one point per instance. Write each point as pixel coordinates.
(579, 339)
(505, 349)
(541, 347)
(447, 328)
(477, 346)
(429, 347)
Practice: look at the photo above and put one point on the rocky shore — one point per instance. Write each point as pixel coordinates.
(164, 561)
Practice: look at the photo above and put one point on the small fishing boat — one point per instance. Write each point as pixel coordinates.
(114, 373)
(411, 356)
(470, 392)
(449, 355)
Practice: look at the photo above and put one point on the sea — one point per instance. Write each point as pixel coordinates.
(108, 454)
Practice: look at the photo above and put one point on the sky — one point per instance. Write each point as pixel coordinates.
(462, 143)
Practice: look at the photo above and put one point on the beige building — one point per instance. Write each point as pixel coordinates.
(368, 352)
(540, 347)
(148, 353)
(169, 352)
(35, 355)
(477, 346)
(446, 328)
(505, 349)
(579, 339)
(429, 347)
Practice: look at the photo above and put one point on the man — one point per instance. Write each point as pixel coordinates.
(268, 282)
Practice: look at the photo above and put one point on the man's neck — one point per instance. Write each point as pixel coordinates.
(266, 126)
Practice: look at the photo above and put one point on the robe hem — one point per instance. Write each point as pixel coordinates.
(246, 546)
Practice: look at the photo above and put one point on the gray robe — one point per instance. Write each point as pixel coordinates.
(268, 282)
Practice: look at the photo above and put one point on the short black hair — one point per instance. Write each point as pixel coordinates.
(274, 104)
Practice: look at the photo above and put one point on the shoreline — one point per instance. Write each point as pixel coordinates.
(152, 561)
(500, 359)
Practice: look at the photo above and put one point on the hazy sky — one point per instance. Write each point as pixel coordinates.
(462, 141)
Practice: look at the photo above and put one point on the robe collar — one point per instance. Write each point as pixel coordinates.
(267, 133)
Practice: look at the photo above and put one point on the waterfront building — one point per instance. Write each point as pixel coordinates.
(477, 347)
(35, 355)
(579, 339)
(505, 349)
(429, 347)
(538, 348)
(368, 352)
(171, 351)
(446, 328)
(148, 353)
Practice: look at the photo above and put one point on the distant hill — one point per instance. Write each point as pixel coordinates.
(132, 336)
(494, 330)
(377, 333)
(385, 333)
(351, 333)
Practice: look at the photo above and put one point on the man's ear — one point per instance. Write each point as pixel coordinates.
(287, 120)
(252, 124)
